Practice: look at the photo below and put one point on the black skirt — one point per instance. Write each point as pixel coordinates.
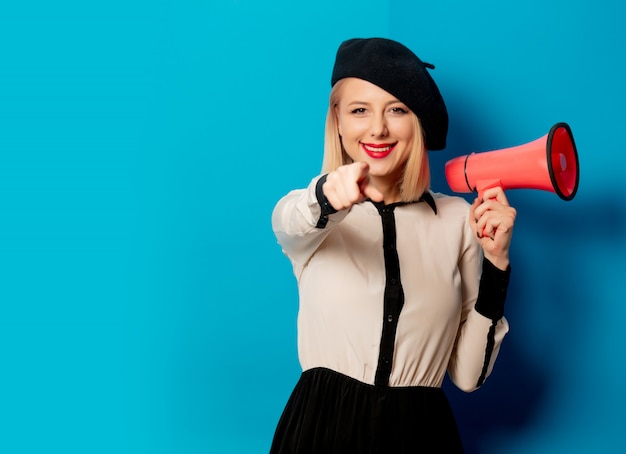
(329, 412)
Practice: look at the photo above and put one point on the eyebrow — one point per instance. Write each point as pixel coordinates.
(364, 103)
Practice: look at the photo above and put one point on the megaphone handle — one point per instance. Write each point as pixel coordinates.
(482, 186)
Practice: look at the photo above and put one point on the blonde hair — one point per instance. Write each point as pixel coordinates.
(415, 178)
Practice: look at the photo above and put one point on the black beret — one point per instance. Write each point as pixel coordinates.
(397, 70)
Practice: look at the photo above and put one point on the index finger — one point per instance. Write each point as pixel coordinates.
(361, 170)
(496, 193)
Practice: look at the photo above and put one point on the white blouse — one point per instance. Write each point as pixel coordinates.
(359, 313)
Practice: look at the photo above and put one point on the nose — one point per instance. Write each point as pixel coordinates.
(378, 127)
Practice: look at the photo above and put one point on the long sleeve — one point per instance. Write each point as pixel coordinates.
(483, 325)
(296, 224)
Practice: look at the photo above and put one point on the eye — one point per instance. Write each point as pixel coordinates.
(399, 110)
(358, 111)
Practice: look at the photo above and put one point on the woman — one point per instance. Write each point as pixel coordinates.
(397, 285)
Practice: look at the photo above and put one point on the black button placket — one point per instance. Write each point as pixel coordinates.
(394, 295)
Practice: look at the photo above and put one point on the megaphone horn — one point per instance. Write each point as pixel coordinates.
(549, 163)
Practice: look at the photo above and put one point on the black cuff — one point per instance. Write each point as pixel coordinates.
(325, 206)
(492, 291)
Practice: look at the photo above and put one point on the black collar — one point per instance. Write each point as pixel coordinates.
(429, 199)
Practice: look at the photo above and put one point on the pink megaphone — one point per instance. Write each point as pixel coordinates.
(549, 163)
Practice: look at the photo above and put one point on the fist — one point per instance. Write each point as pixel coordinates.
(493, 219)
(350, 184)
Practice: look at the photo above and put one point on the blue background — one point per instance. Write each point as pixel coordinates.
(144, 303)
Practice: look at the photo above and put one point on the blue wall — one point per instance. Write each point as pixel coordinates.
(144, 303)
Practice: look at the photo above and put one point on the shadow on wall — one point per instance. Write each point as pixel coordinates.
(549, 274)
(547, 301)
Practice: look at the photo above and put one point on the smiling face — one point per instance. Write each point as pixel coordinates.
(375, 127)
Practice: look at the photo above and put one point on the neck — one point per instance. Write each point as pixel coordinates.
(391, 193)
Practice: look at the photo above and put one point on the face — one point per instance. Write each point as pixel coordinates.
(375, 127)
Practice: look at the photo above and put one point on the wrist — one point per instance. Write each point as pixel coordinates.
(500, 262)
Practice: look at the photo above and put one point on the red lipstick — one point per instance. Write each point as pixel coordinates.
(378, 150)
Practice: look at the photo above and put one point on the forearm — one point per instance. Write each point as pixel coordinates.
(482, 330)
